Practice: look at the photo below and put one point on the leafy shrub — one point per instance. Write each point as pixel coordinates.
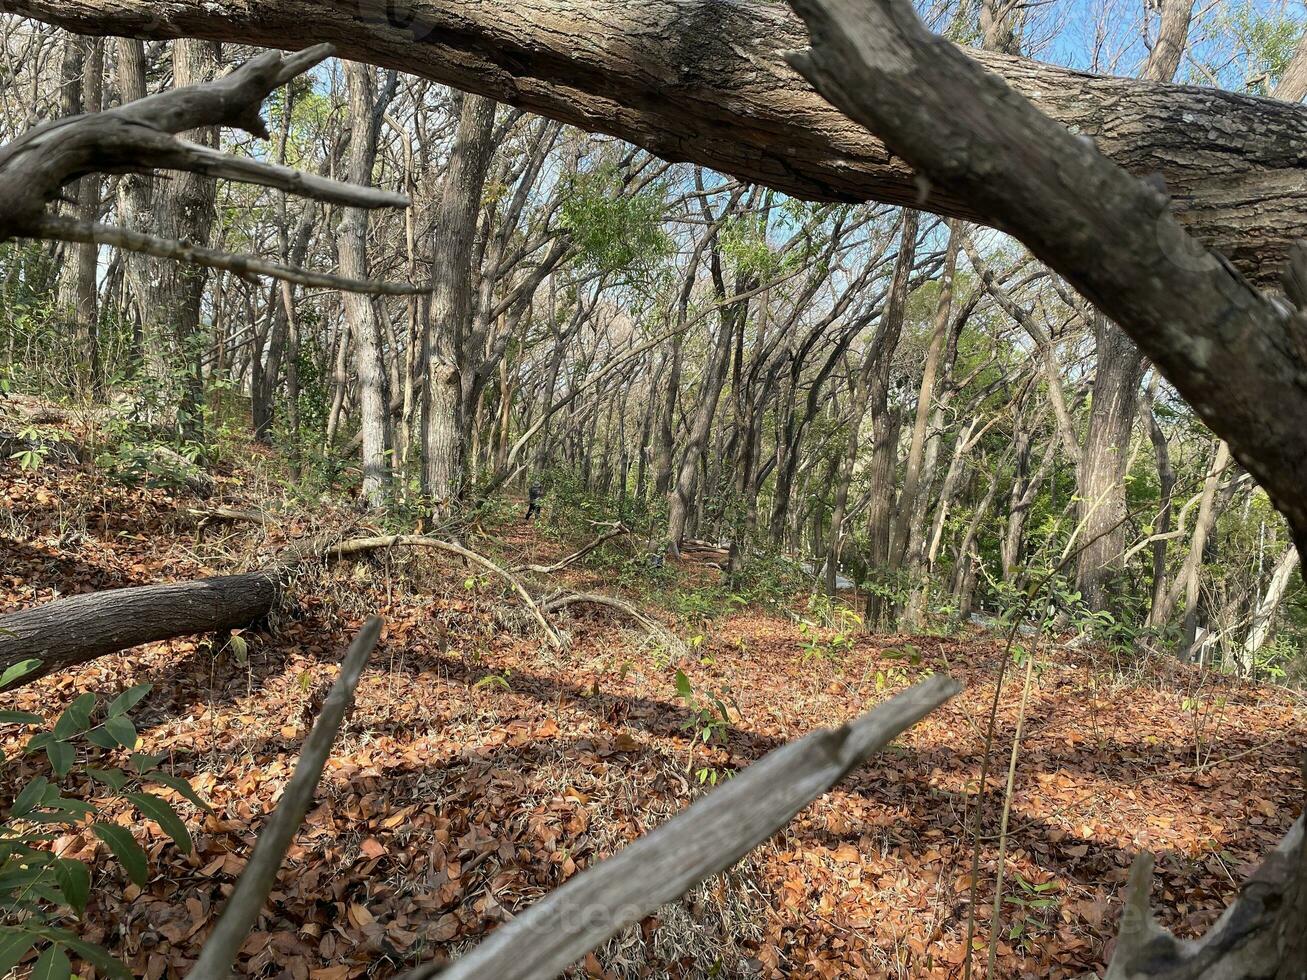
(39, 888)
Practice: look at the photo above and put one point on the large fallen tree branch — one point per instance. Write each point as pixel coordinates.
(142, 136)
(66, 632)
(706, 80)
(709, 837)
(256, 881)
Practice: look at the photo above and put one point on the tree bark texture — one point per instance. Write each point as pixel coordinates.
(706, 81)
(453, 238)
(66, 632)
(361, 311)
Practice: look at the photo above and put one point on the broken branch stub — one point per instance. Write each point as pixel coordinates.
(1259, 937)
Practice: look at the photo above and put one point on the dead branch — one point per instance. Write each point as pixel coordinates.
(256, 881)
(205, 515)
(617, 531)
(708, 837)
(142, 137)
(65, 229)
(659, 633)
(1252, 939)
(361, 546)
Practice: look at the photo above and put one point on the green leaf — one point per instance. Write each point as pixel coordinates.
(683, 685)
(20, 718)
(93, 954)
(122, 729)
(15, 671)
(98, 736)
(115, 779)
(161, 812)
(125, 848)
(128, 699)
(66, 805)
(53, 965)
(14, 944)
(31, 795)
(61, 757)
(143, 762)
(75, 882)
(76, 718)
(182, 786)
(38, 741)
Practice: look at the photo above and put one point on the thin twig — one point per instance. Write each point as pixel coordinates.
(65, 229)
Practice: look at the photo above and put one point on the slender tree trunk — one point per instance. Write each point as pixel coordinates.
(886, 422)
(135, 191)
(1165, 490)
(710, 393)
(1264, 615)
(184, 210)
(360, 310)
(1187, 581)
(901, 552)
(84, 58)
(880, 510)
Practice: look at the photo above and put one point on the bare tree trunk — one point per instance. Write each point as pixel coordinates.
(135, 191)
(1264, 615)
(1165, 490)
(1171, 41)
(900, 543)
(79, 292)
(184, 211)
(445, 435)
(886, 422)
(880, 511)
(1188, 580)
(366, 111)
(1103, 463)
(710, 393)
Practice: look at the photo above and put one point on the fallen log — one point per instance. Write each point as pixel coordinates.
(66, 632)
(80, 628)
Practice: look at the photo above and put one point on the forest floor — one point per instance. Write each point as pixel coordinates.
(480, 769)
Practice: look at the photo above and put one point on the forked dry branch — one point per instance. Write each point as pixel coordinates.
(143, 136)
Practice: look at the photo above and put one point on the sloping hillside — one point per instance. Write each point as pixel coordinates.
(480, 769)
